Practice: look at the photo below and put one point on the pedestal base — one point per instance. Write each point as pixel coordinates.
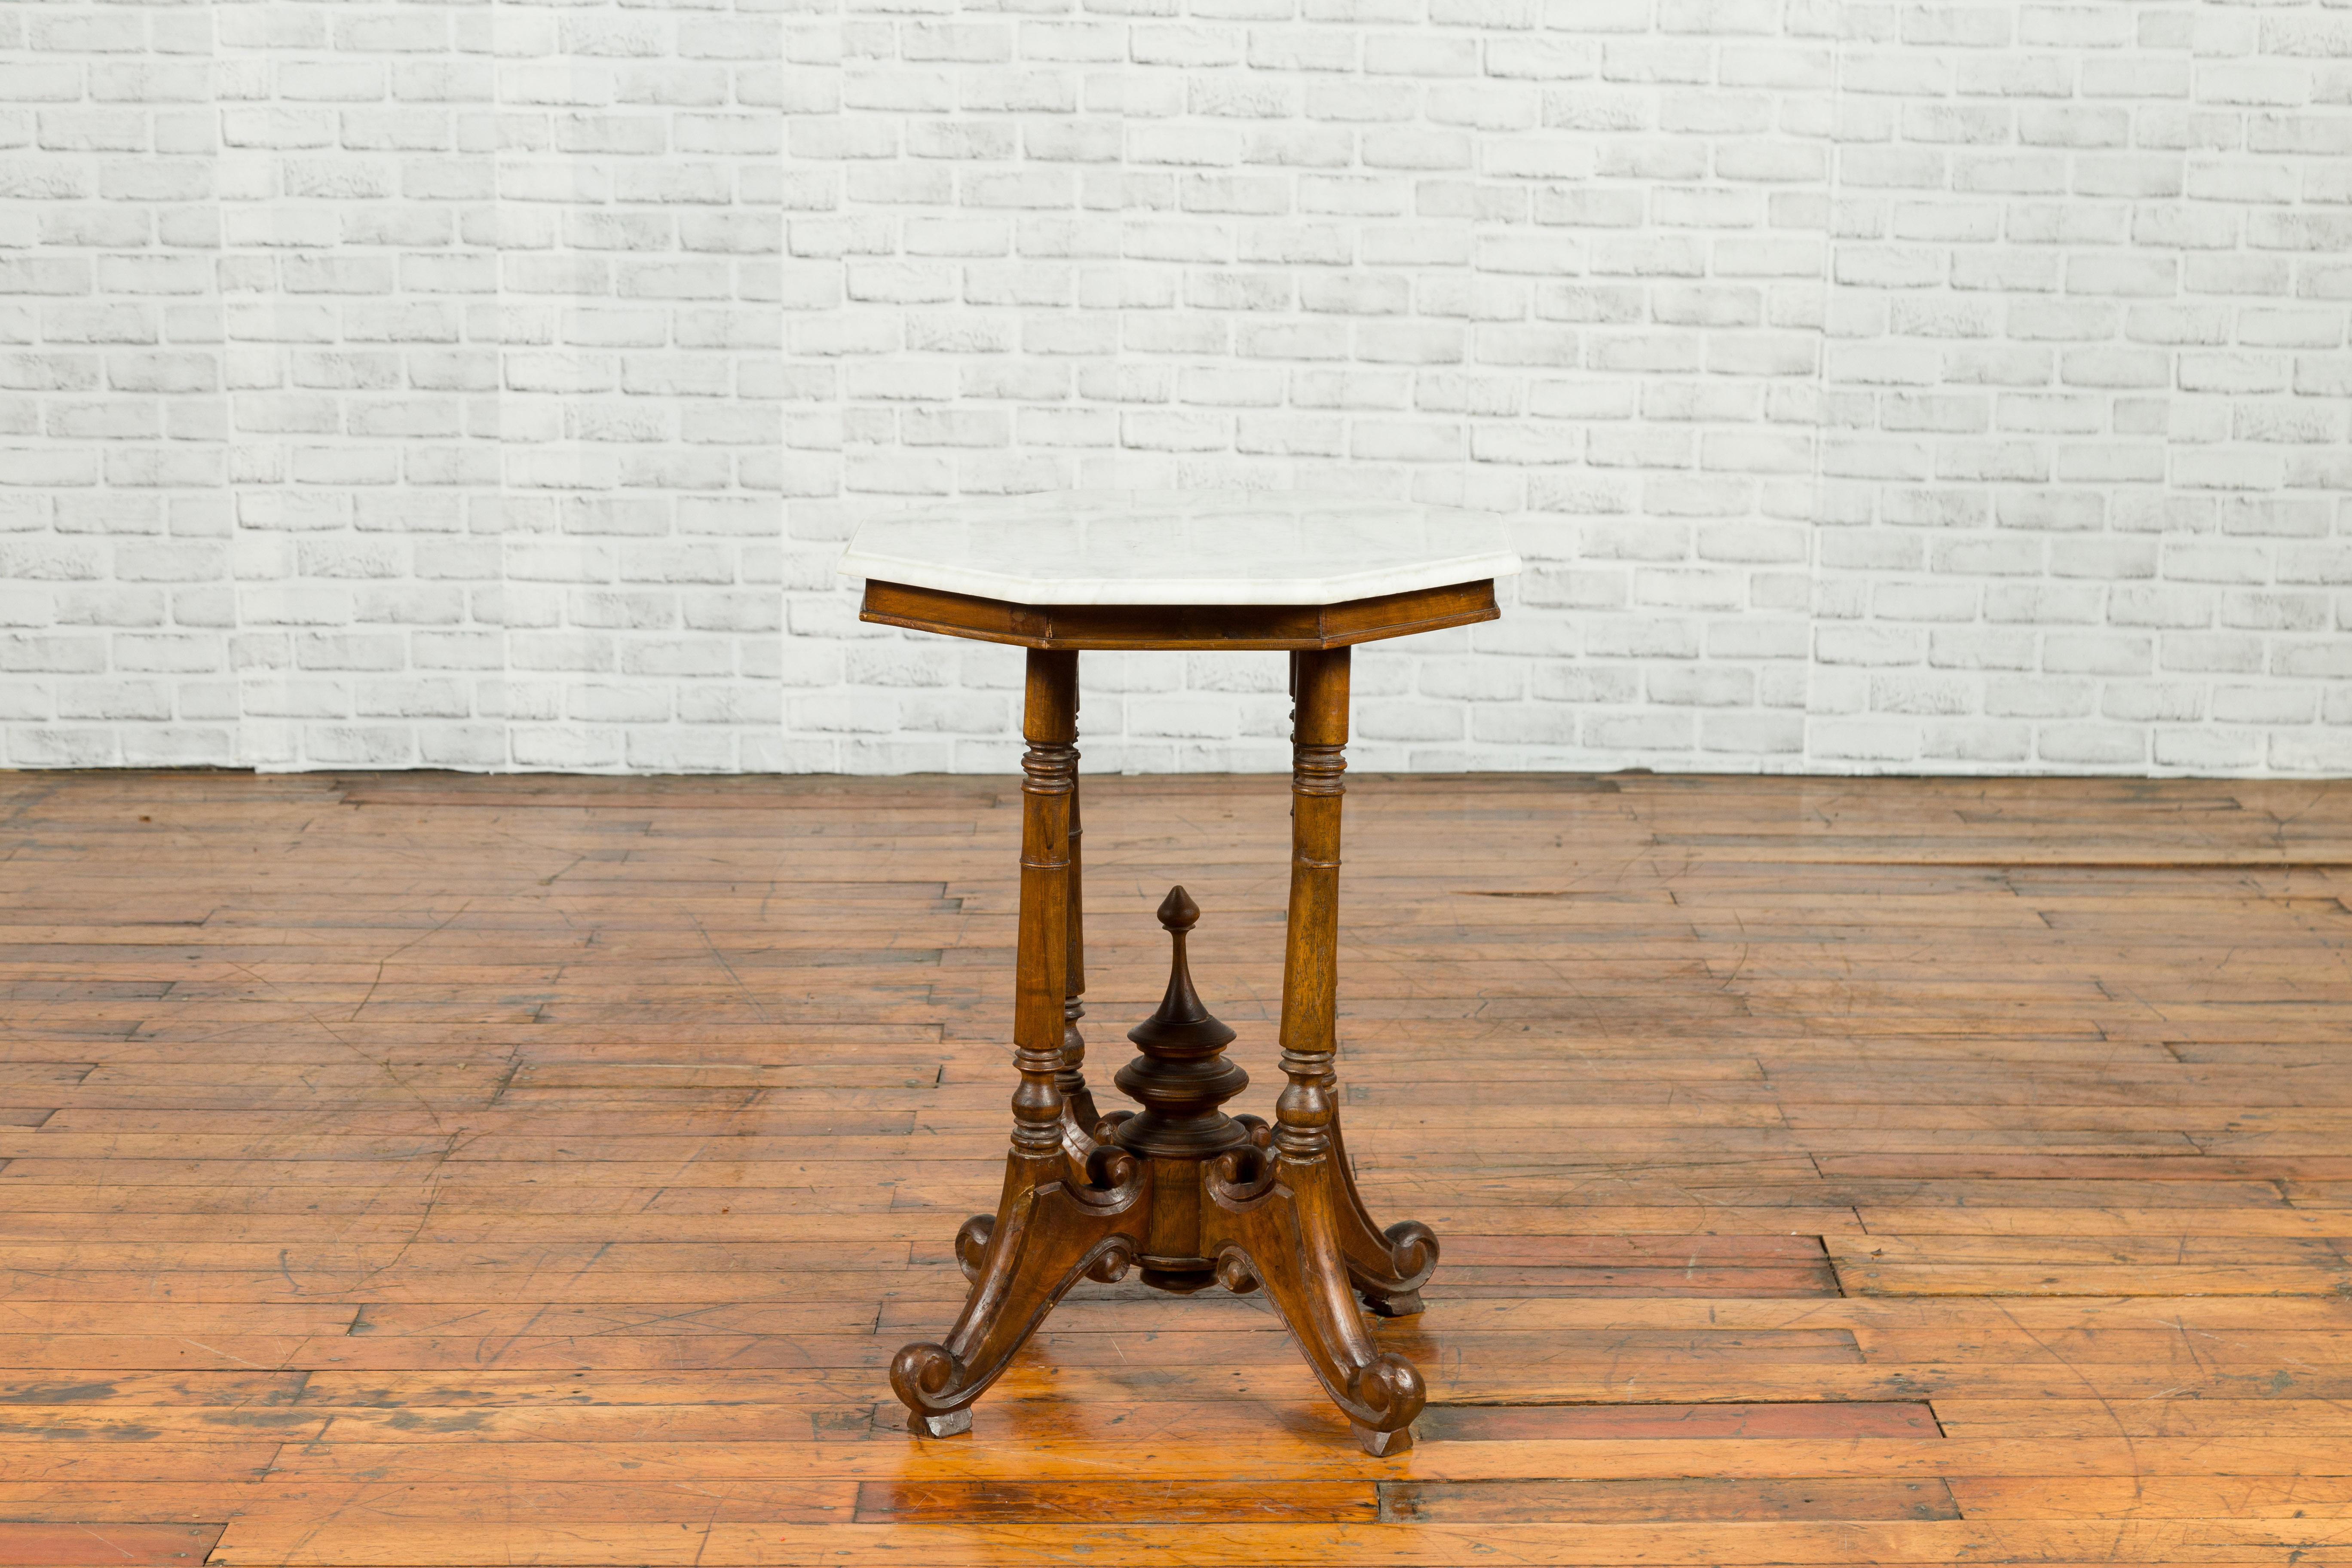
(1187, 1193)
(1287, 1221)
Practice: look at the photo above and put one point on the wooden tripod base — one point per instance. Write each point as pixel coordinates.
(1254, 1216)
(1192, 1195)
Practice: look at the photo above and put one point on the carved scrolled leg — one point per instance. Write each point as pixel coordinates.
(1285, 1237)
(1388, 1267)
(1045, 1237)
(1055, 1224)
(1287, 1223)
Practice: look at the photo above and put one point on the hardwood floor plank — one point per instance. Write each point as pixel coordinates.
(71, 1544)
(2157, 1497)
(2148, 1417)
(1122, 1501)
(27, 1455)
(1511, 1423)
(1662, 1502)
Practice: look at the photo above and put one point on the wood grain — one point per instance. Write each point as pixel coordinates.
(73, 1544)
(422, 1169)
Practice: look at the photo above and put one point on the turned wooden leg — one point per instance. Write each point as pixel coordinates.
(1290, 1228)
(1052, 1226)
(1388, 1267)
(1078, 1113)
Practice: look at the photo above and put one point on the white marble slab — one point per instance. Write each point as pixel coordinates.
(1181, 547)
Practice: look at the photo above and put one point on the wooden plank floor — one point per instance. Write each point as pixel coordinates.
(417, 1169)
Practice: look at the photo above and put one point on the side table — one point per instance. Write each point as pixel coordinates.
(1192, 1195)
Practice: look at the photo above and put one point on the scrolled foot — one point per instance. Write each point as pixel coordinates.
(1388, 1392)
(1388, 1267)
(1415, 1247)
(931, 1384)
(1381, 1445)
(971, 1243)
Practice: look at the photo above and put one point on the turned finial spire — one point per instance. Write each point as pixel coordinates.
(1181, 1022)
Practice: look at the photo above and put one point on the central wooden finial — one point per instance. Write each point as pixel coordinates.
(1181, 1077)
(1182, 1027)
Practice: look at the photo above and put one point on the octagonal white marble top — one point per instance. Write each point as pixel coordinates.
(1181, 547)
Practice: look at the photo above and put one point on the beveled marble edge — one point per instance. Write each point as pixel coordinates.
(1328, 588)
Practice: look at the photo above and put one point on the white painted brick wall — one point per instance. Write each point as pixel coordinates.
(390, 384)
(490, 385)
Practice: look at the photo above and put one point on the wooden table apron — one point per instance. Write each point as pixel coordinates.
(1194, 1196)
